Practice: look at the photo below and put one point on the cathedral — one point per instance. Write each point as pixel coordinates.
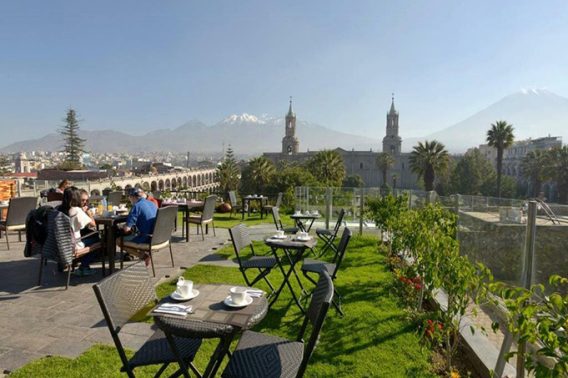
(361, 163)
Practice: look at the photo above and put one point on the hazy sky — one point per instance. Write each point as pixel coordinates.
(146, 65)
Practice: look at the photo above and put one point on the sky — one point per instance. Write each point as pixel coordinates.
(136, 66)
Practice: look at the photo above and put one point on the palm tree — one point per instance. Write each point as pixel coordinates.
(428, 158)
(533, 167)
(327, 167)
(261, 170)
(557, 170)
(500, 136)
(384, 162)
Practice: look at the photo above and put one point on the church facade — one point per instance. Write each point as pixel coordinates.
(361, 163)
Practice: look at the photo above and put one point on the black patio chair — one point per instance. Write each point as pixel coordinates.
(235, 205)
(61, 246)
(206, 216)
(328, 236)
(241, 240)
(159, 239)
(124, 294)
(18, 210)
(261, 355)
(266, 209)
(317, 266)
(278, 222)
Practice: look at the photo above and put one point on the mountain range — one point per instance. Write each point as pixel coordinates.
(533, 113)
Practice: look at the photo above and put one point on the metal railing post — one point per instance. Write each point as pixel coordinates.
(328, 206)
(361, 207)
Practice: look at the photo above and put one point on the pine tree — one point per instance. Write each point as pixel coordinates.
(229, 173)
(74, 145)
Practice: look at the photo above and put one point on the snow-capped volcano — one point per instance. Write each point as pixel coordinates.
(239, 119)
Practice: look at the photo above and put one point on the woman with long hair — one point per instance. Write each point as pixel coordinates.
(80, 220)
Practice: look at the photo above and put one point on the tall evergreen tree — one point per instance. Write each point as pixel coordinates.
(426, 159)
(73, 145)
(472, 174)
(500, 136)
(229, 173)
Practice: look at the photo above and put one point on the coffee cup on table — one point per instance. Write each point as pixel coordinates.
(184, 287)
(280, 233)
(238, 294)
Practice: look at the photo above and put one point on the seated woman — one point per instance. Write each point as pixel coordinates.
(72, 206)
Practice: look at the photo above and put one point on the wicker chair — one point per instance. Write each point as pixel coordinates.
(266, 356)
(16, 218)
(317, 266)
(235, 205)
(266, 209)
(206, 216)
(160, 238)
(328, 236)
(124, 294)
(60, 245)
(278, 222)
(241, 240)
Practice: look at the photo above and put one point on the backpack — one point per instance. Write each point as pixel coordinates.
(36, 230)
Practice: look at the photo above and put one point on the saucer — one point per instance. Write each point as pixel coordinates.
(307, 238)
(229, 302)
(278, 237)
(176, 297)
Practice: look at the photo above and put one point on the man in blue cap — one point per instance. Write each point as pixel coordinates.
(140, 223)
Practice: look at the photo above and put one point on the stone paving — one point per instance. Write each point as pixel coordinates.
(37, 321)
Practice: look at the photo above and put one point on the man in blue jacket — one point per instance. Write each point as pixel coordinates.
(140, 224)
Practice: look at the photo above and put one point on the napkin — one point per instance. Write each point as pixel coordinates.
(255, 293)
(173, 309)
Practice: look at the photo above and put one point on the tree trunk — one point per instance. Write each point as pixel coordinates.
(429, 177)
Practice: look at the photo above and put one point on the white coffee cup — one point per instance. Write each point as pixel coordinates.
(304, 235)
(184, 288)
(238, 294)
(280, 233)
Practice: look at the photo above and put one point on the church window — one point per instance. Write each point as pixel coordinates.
(402, 165)
(360, 165)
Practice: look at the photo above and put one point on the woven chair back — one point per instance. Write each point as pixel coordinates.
(279, 200)
(233, 198)
(209, 208)
(340, 217)
(241, 239)
(276, 217)
(341, 248)
(123, 294)
(59, 244)
(114, 198)
(18, 210)
(319, 305)
(165, 224)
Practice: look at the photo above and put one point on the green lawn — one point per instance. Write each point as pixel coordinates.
(227, 220)
(375, 338)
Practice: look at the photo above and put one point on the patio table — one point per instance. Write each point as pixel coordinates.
(305, 221)
(185, 207)
(211, 318)
(293, 250)
(109, 223)
(246, 204)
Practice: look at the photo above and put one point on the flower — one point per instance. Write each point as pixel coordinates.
(454, 374)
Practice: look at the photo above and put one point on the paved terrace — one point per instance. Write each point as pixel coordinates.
(49, 320)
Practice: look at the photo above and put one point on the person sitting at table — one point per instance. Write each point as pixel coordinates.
(139, 224)
(81, 222)
(150, 198)
(84, 200)
(62, 186)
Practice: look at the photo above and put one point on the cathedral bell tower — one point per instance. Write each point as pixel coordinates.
(392, 141)
(290, 144)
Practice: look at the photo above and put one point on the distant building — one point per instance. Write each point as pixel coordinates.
(362, 163)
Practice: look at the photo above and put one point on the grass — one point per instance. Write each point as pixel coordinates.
(228, 220)
(375, 338)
